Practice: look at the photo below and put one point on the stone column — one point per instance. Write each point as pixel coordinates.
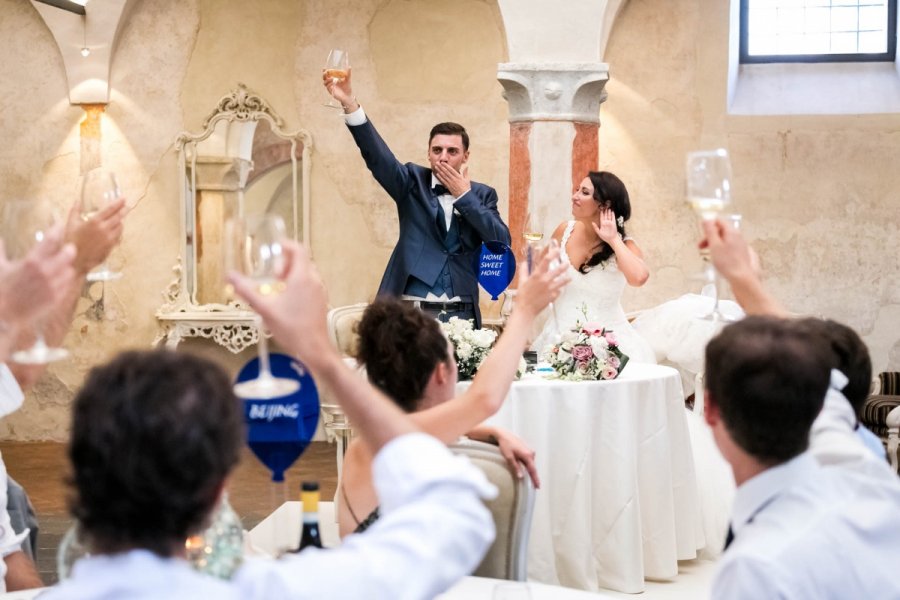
(554, 119)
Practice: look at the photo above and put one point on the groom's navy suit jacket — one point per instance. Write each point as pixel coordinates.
(421, 250)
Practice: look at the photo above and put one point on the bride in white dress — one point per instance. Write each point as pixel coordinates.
(602, 260)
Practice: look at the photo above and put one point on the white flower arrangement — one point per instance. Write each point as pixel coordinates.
(471, 346)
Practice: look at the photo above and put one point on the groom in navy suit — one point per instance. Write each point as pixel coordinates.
(444, 216)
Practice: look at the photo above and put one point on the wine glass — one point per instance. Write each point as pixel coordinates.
(98, 189)
(533, 232)
(26, 224)
(253, 248)
(337, 66)
(709, 193)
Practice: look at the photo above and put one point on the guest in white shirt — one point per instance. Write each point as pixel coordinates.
(155, 436)
(799, 529)
(29, 289)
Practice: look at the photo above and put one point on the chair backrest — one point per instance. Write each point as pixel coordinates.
(512, 509)
(342, 327)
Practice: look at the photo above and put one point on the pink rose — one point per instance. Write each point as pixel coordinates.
(611, 338)
(613, 361)
(582, 353)
(609, 373)
(592, 328)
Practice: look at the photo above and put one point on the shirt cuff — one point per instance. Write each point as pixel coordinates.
(461, 196)
(413, 462)
(357, 117)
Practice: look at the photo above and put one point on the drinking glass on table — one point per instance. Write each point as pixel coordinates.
(98, 189)
(337, 66)
(26, 224)
(709, 193)
(253, 248)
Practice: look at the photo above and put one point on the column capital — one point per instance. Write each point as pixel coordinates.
(554, 91)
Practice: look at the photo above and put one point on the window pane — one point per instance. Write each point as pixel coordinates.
(817, 27)
(843, 43)
(872, 42)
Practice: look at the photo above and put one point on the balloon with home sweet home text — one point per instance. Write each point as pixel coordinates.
(496, 268)
(280, 429)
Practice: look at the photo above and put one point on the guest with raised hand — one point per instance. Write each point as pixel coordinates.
(603, 259)
(29, 288)
(434, 528)
(408, 357)
(798, 528)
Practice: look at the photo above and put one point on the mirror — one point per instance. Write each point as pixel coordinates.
(241, 163)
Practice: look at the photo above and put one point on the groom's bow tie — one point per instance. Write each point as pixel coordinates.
(440, 190)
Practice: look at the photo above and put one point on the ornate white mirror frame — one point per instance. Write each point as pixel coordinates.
(241, 143)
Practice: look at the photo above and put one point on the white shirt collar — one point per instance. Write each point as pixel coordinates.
(755, 493)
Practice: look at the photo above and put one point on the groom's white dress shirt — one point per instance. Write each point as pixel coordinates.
(434, 530)
(817, 531)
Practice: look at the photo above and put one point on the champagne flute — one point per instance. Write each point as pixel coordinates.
(253, 248)
(337, 67)
(98, 189)
(709, 193)
(533, 232)
(26, 224)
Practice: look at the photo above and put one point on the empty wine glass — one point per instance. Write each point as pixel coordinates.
(26, 224)
(98, 189)
(709, 193)
(253, 248)
(337, 67)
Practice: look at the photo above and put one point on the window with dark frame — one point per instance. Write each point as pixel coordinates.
(818, 31)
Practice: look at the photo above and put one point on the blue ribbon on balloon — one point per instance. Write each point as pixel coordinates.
(280, 429)
(496, 268)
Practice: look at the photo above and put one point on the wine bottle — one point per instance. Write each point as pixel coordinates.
(309, 495)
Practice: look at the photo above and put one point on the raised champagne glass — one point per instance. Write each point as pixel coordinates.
(253, 247)
(337, 67)
(709, 194)
(25, 224)
(98, 189)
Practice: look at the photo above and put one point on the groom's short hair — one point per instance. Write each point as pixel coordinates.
(450, 128)
(767, 377)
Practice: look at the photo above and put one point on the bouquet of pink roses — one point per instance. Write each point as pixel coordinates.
(587, 352)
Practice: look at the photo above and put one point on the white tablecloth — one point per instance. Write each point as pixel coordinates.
(477, 588)
(618, 498)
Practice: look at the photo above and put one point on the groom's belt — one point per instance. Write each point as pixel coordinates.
(449, 306)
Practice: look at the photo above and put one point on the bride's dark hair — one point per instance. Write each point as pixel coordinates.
(609, 192)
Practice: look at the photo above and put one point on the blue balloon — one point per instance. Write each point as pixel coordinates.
(280, 429)
(496, 268)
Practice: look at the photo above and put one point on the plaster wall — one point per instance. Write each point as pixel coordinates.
(415, 63)
(819, 193)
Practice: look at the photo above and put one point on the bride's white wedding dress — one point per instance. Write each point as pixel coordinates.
(593, 297)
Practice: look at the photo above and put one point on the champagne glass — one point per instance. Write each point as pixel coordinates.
(98, 189)
(253, 248)
(709, 193)
(337, 66)
(26, 224)
(533, 232)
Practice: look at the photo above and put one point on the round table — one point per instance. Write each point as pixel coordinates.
(618, 499)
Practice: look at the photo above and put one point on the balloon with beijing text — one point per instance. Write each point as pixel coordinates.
(496, 268)
(280, 429)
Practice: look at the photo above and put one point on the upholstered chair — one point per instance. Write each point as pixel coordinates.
(512, 510)
(881, 413)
